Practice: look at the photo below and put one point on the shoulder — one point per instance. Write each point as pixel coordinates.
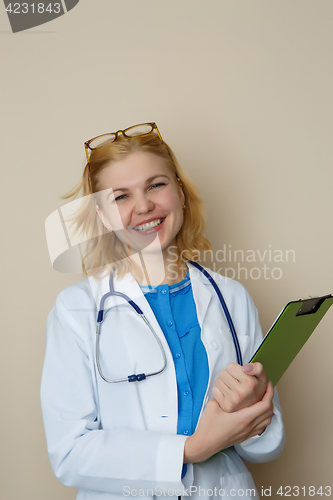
(75, 297)
(73, 314)
(234, 293)
(223, 282)
(228, 283)
(235, 288)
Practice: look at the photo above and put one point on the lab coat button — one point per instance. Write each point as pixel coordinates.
(186, 393)
(213, 345)
(170, 323)
(164, 291)
(178, 355)
(186, 432)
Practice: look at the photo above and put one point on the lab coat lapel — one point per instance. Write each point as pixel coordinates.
(161, 389)
(211, 323)
(128, 286)
(201, 292)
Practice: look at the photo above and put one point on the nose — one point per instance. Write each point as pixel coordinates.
(143, 204)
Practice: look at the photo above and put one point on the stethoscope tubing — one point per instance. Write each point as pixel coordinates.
(143, 376)
(139, 376)
(225, 310)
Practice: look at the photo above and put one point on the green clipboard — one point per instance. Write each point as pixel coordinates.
(289, 333)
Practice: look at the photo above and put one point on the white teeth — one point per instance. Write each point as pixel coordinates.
(148, 225)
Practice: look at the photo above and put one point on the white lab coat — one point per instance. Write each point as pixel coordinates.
(116, 440)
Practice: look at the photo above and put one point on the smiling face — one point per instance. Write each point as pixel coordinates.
(140, 193)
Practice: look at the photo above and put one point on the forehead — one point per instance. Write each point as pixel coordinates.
(132, 170)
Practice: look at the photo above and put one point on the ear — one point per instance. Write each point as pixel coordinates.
(104, 220)
(182, 196)
(181, 192)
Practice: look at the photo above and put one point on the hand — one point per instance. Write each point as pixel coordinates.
(238, 386)
(218, 429)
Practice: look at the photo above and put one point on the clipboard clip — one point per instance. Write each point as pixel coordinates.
(311, 306)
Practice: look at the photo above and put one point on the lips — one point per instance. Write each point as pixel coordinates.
(149, 225)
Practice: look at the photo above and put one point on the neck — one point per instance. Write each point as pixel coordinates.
(161, 271)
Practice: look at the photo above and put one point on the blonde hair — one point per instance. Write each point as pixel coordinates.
(103, 247)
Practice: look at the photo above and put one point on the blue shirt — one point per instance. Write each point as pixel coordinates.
(175, 311)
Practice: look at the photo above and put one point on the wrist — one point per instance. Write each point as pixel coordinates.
(194, 450)
(197, 450)
(190, 451)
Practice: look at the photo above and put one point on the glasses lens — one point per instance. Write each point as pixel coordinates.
(144, 129)
(102, 140)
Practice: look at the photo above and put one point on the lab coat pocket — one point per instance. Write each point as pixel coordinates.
(238, 486)
(226, 472)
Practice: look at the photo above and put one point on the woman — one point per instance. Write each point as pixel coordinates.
(182, 428)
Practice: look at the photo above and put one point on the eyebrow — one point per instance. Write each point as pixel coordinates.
(148, 181)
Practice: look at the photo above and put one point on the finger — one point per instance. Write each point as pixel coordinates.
(226, 382)
(260, 423)
(249, 388)
(254, 382)
(234, 376)
(259, 428)
(226, 397)
(267, 399)
(257, 411)
(219, 396)
(255, 370)
(235, 370)
(269, 394)
(246, 373)
(267, 413)
(223, 389)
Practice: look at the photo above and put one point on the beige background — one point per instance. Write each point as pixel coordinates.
(242, 91)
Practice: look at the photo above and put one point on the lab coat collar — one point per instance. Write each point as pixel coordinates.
(130, 287)
(201, 292)
(127, 285)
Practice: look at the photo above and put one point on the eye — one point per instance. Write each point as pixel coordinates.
(121, 197)
(158, 184)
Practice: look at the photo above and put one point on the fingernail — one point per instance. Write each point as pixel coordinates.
(248, 368)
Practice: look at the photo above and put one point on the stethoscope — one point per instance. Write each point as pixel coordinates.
(143, 376)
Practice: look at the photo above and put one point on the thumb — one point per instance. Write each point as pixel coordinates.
(269, 394)
(256, 370)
